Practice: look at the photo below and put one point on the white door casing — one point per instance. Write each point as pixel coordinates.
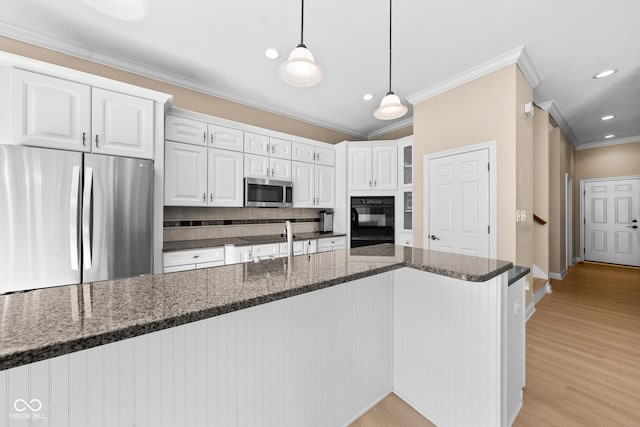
(610, 207)
(459, 215)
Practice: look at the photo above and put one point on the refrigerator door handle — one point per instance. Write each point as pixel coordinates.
(86, 218)
(73, 218)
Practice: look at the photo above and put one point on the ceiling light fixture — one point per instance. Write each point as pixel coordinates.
(609, 117)
(301, 70)
(390, 107)
(125, 10)
(604, 74)
(272, 53)
(367, 97)
(609, 136)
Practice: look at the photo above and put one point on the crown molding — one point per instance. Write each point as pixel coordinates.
(517, 56)
(552, 108)
(40, 40)
(608, 142)
(391, 127)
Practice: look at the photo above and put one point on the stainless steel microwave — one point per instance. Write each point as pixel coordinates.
(268, 193)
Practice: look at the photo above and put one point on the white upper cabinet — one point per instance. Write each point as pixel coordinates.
(256, 144)
(313, 154)
(185, 130)
(385, 168)
(185, 175)
(225, 178)
(256, 166)
(49, 112)
(373, 167)
(360, 177)
(122, 124)
(325, 186)
(313, 185)
(405, 164)
(280, 148)
(280, 169)
(226, 138)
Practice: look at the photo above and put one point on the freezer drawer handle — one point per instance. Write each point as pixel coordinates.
(86, 218)
(73, 217)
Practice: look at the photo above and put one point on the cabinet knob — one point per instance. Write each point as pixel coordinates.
(97, 145)
(204, 136)
(370, 183)
(211, 196)
(375, 183)
(84, 139)
(204, 197)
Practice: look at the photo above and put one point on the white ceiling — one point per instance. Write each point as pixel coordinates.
(218, 47)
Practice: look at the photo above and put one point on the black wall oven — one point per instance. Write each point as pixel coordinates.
(372, 220)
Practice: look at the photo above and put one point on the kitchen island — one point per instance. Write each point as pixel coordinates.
(308, 340)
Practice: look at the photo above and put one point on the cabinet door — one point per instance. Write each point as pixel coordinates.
(325, 186)
(256, 144)
(326, 156)
(385, 168)
(359, 174)
(185, 130)
(226, 138)
(225, 178)
(303, 185)
(266, 250)
(242, 254)
(406, 165)
(303, 152)
(185, 174)
(256, 166)
(281, 169)
(280, 148)
(122, 124)
(49, 112)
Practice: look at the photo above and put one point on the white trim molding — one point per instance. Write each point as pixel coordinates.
(608, 142)
(515, 56)
(390, 128)
(531, 308)
(558, 276)
(552, 108)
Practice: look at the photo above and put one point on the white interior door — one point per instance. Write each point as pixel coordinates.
(459, 203)
(612, 221)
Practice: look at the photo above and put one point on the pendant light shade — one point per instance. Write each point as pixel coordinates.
(390, 107)
(301, 69)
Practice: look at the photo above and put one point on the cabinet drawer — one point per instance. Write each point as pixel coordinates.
(209, 264)
(175, 268)
(271, 249)
(331, 243)
(242, 254)
(298, 247)
(198, 256)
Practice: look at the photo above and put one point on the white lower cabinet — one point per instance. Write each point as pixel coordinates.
(406, 239)
(192, 259)
(332, 243)
(314, 186)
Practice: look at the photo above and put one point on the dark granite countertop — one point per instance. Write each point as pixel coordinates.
(241, 241)
(44, 323)
(516, 273)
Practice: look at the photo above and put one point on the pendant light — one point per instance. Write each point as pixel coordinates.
(301, 70)
(390, 107)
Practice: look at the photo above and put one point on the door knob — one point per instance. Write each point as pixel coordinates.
(433, 237)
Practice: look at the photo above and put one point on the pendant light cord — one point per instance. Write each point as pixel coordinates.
(390, 10)
(302, 24)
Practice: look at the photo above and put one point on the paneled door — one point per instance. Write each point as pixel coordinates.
(459, 204)
(612, 221)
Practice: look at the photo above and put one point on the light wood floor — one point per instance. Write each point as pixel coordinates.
(583, 356)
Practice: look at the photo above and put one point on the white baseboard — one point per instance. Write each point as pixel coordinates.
(577, 260)
(365, 410)
(546, 289)
(559, 276)
(515, 415)
(531, 308)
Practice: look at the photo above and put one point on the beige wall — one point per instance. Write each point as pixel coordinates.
(182, 98)
(541, 188)
(561, 162)
(603, 162)
(524, 176)
(479, 111)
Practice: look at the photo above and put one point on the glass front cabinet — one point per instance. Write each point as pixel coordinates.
(404, 206)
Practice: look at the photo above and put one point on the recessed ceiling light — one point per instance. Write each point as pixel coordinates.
(271, 53)
(367, 97)
(125, 10)
(609, 136)
(604, 74)
(609, 117)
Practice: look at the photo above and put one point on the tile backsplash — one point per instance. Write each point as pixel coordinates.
(194, 223)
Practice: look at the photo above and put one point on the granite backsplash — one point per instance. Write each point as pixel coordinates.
(196, 223)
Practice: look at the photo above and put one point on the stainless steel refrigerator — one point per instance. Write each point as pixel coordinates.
(68, 217)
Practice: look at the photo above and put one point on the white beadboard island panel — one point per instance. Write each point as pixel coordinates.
(317, 359)
(449, 348)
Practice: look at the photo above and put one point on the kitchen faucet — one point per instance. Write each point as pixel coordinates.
(289, 233)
